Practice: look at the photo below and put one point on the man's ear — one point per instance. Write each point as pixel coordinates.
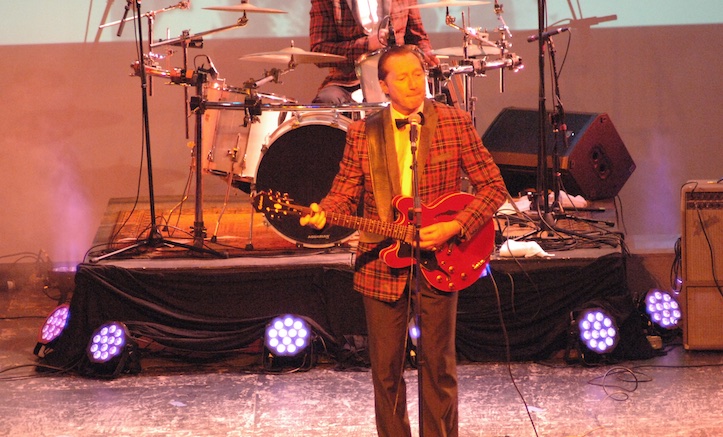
(385, 89)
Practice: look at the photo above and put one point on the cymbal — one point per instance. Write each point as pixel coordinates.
(245, 7)
(472, 51)
(447, 3)
(299, 56)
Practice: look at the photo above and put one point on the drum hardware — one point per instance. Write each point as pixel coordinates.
(151, 16)
(245, 7)
(447, 4)
(478, 67)
(186, 40)
(475, 50)
(293, 56)
(155, 237)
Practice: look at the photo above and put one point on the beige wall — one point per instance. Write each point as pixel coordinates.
(72, 131)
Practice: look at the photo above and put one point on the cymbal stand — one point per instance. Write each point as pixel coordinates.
(502, 43)
(197, 105)
(155, 238)
(151, 16)
(186, 41)
(469, 100)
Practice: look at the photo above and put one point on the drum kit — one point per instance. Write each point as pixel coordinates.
(259, 141)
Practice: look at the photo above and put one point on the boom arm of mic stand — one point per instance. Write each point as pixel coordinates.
(181, 5)
(175, 41)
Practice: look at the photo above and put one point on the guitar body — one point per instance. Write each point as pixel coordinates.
(458, 264)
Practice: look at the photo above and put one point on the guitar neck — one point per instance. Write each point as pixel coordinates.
(396, 231)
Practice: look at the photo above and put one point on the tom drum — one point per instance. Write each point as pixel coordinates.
(232, 144)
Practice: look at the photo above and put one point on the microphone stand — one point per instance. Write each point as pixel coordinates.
(559, 128)
(541, 201)
(155, 238)
(416, 270)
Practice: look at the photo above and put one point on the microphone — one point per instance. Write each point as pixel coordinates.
(123, 20)
(548, 34)
(415, 120)
(211, 70)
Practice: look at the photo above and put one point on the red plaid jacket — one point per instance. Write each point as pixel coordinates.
(332, 29)
(454, 145)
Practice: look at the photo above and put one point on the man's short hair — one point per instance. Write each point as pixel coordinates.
(397, 51)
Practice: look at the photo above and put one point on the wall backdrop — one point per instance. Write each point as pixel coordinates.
(72, 121)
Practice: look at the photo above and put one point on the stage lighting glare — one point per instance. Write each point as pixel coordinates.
(413, 331)
(107, 342)
(663, 309)
(287, 335)
(112, 351)
(54, 324)
(598, 331)
(53, 327)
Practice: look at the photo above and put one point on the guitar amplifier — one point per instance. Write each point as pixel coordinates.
(702, 265)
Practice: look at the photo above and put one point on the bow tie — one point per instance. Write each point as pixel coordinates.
(401, 122)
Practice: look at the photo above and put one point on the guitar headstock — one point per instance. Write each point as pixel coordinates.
(275, 204)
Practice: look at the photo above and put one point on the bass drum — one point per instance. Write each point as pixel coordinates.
(302, 159)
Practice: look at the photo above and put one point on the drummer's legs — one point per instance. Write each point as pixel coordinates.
(335, 94)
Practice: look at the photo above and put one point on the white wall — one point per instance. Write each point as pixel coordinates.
(72, 136)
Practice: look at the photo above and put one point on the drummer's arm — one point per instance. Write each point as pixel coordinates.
(415, 34)
(326, 37)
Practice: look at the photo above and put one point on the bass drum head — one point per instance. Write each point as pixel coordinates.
(303, 160)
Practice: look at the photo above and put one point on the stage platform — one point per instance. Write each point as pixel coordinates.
(189, 303)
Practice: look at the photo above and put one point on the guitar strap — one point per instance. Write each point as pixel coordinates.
(385, 177)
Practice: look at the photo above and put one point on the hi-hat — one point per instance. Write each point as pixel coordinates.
(298, 55)
(472, 51)
(447, 3)
(245, 7)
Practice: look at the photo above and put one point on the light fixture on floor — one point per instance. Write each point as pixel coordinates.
(288, 344)
(663, 309)
(112, 351)
(598, 330)
(51, 329)
(593, 335)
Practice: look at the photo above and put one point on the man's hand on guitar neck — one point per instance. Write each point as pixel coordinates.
(316, 219)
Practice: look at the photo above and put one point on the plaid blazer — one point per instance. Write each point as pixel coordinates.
(332, 29)
(448, 144)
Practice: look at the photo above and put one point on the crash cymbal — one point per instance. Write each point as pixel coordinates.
(245, 7)
(299, 56)
(472, 51)
(447, 3)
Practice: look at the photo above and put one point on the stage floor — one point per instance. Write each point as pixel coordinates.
(675, 395)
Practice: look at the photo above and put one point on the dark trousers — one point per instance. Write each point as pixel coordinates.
(387, 325)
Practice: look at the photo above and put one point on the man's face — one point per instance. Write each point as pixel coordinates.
(406, 83)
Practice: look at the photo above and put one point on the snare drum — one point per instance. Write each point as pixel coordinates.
(231, 144)
(302, 160)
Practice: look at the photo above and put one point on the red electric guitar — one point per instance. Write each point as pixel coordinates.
(455, 267)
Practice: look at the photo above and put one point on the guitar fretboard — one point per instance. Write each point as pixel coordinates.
(393, 230)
